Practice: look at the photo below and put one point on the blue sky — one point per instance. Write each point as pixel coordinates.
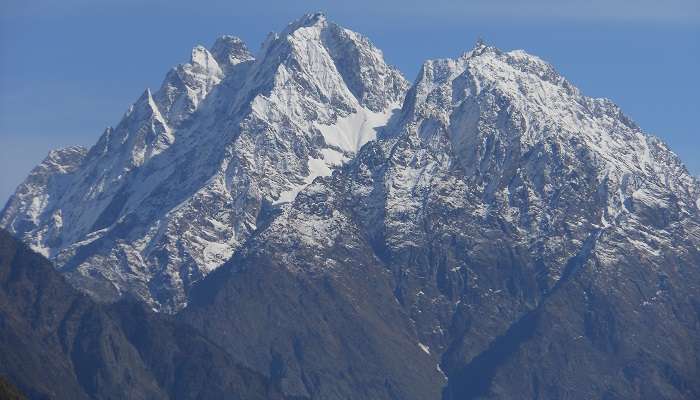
(70, 68)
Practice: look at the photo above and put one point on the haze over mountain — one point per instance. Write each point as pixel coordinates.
(485, 232)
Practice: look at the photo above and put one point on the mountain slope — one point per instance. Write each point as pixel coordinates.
(500, 236)
(191, 170)
(537, 243)
(57, 343)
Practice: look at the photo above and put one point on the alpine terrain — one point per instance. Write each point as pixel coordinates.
(303, 223)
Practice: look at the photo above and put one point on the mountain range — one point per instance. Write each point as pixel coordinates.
(305, 223)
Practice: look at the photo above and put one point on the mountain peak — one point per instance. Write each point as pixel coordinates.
(211, 149)
(479, 44)
(331, 59)
(308, 20)
(229, 51)
(67, 158)
(307, 105)
(186, 85)
(497, 204)
(144, 104)
(201, 57)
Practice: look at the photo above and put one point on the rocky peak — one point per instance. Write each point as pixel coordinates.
(502, 214)
(230, 51)
(170, 201)
(329, 60)
(186, 85)
(335, 97)
(518, 101)
(187, 175)
(202, 61)
(30, 207)
(64, 160)
(316, 19)
(374, 83)
(502, 194)
(142, 133)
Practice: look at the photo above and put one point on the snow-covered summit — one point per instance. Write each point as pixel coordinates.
(528, 103)
(498, 188)
(498, 141)
(190, 171)
(196, 168)
(499, 219)
(26, 209)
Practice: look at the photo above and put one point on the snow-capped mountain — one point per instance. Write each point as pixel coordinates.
(517, 223)
(180, 183)
(504, 203)
(502, 135)
(487, 232)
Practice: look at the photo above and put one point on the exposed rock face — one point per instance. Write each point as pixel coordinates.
(58, 343)
(503, 237)
(533, 237)
(170, 193)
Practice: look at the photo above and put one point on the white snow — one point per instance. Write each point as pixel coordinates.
(441, 372)
(229, 166)
(642, 245)
(348, 134)
(317, 167)
(333, 157)
(215, 254)
(352, 132)
(423, 347)
(36, 206)
(647, 197)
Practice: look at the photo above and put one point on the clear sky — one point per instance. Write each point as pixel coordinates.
(70, 68)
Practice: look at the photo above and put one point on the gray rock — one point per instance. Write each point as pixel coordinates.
(504, 236)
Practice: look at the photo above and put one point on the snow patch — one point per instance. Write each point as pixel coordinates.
(643, 246)
(441, 372)
(317, 167)
(333, 158)
(423, 347)
(216, 254)
(647, 197)
(352, 132)
(344, 138)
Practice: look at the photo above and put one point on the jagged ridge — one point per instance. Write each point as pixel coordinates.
(170, 193)
(501, 225)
